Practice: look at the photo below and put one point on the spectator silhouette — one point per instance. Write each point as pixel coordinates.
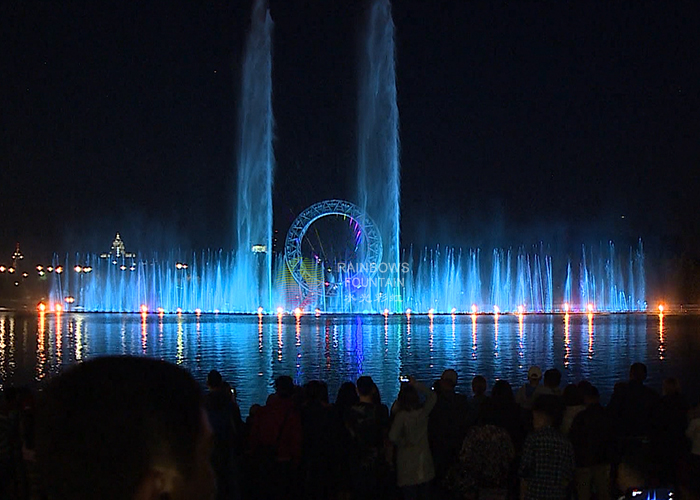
(631, 409)
(526, 394)
(592, 437)
(317, 444)
(275, 443)
(447, 423)
(547, 462)
(367, 422)
(502, 411)
(669, 443)
(409, 432)
(342, 441)
(123, 427)
(484, 466)
(550, 384)
(225, 419)
(573, 405)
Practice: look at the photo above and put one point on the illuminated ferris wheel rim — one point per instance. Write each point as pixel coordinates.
(295, 235)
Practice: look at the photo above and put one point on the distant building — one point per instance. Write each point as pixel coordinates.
(16, 257)
(118, 251)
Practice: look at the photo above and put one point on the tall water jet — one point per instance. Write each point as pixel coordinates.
(378, 181)
(256, 164)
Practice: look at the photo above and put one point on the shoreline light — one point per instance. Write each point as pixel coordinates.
(661, 308)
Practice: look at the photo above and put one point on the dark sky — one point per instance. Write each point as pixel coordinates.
(519, 120)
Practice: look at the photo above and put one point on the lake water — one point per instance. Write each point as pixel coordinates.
(251, 352)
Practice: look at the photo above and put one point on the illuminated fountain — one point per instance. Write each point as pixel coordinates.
(378, 176)
(444, 280)
(250, 279)
(252, 271)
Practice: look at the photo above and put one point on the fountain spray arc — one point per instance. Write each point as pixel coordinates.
(378, 174)
(256, 165)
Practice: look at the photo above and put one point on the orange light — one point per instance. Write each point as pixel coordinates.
(198, 312)
(317, 312)
(431, 311)
(260, 310)
(77, 269)
(590, 308)
(566, 307)
(280, 311)
(39, 268)
(521, 309)
(69, 299)
(474, 309)
(11, 270)
(41, 307)
(58, 308)
(297, 312)
(408, 312)
(161, 311)
(59, 269)
(2, 269)
(49, 269)
(661, 308)
(496, 309)
(178, 310)
(386, 312)
(144, 308)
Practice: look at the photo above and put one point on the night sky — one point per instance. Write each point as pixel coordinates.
(573, 122)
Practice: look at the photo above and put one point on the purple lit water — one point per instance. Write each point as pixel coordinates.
(251, 353)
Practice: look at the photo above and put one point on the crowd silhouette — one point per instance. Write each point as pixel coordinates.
(540, 441)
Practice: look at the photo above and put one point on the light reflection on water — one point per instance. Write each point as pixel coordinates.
(251, 351)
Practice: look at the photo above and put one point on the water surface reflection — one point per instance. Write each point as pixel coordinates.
(251, 351)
